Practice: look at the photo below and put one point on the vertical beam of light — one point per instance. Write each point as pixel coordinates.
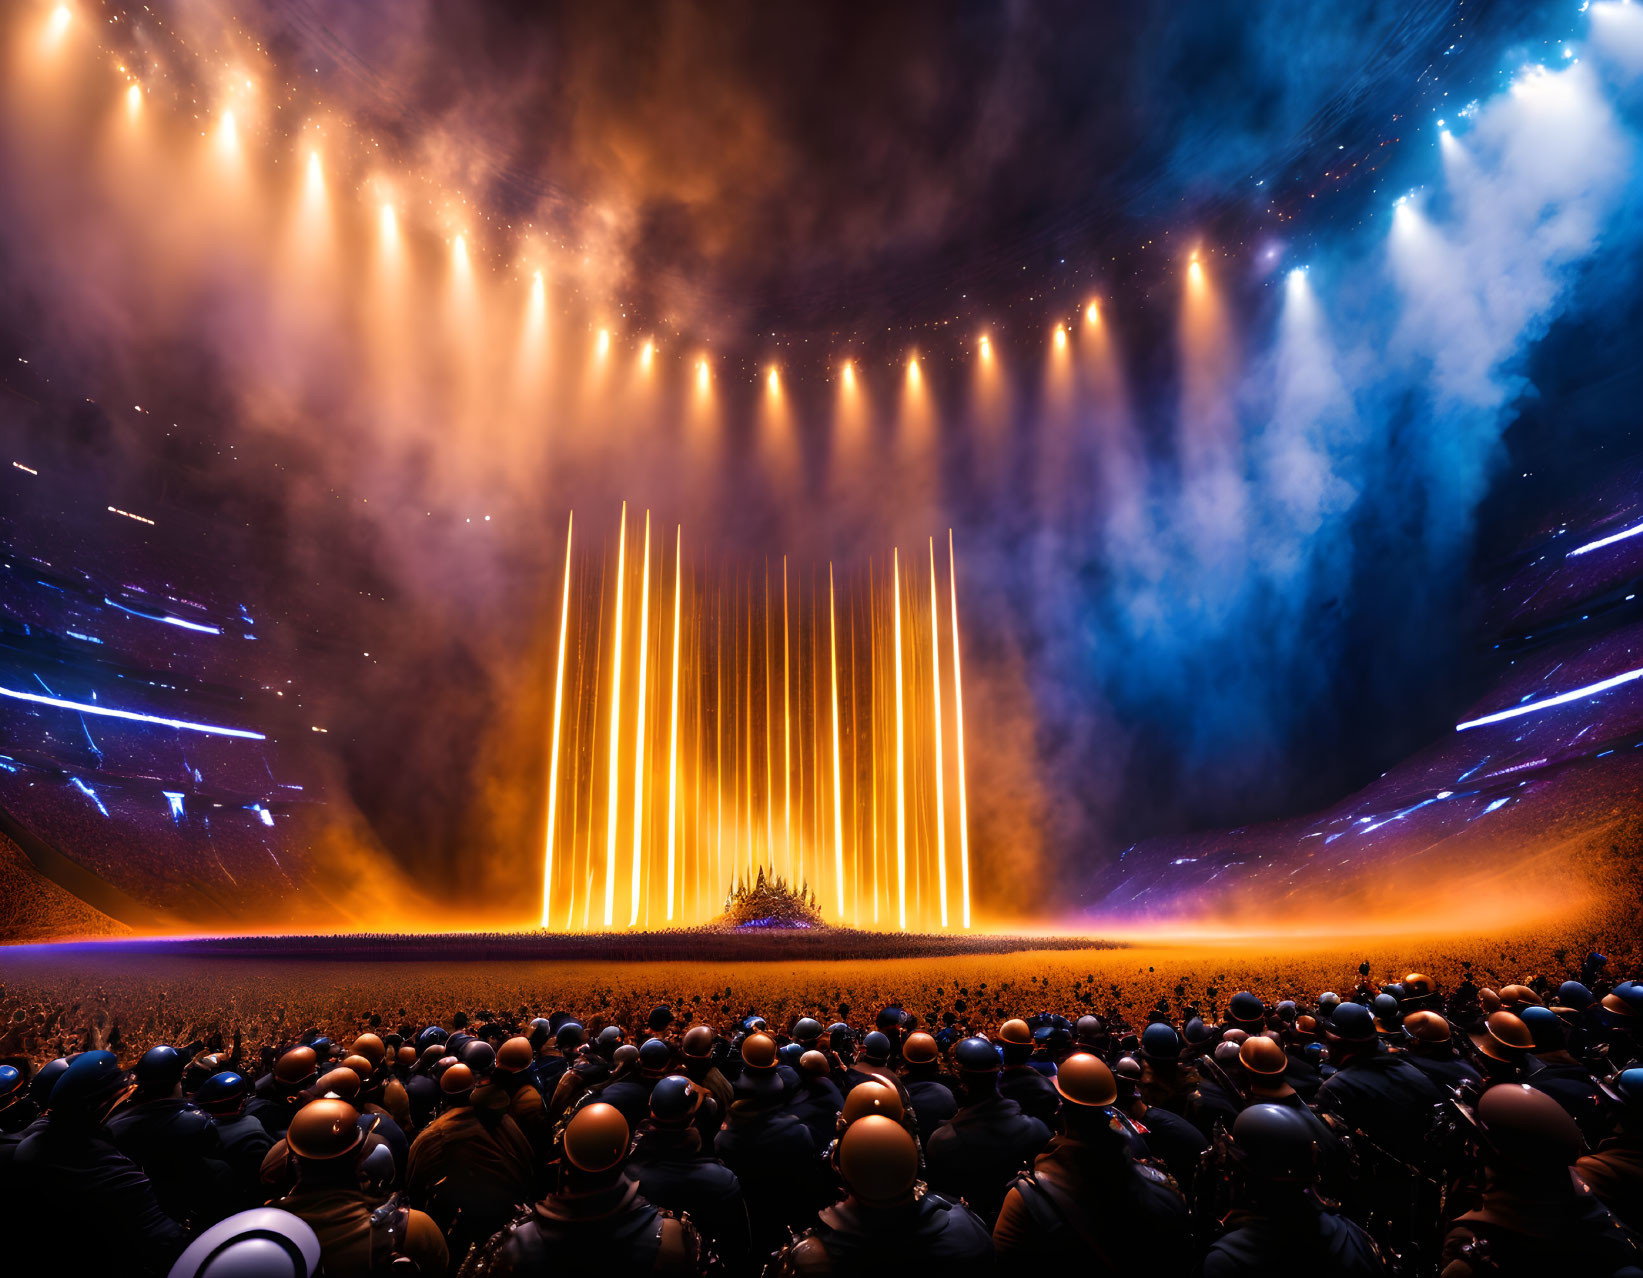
(769, 753)
(935, 686)
(901, 759)
(639, 759)
(855, 775)
(553, 755)
(787, 729)
(719, 738)
(875, 698)
(838, 802)
(958, 729)
(673, 717)
(611, 806)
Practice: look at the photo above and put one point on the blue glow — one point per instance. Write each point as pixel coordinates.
(1601, 542)
(60, 703)
(165, 617)
(89, 793)
(174, 799)
(262, 812)
(1562, 699)
(75, 634)
(1497, 805)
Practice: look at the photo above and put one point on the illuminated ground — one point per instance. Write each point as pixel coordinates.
(67, 989)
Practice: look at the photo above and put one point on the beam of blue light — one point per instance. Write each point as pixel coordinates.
(1546, 703)
(1610, 540)
(84, 707)
(174, 800)
(89, 793)
(165, 617)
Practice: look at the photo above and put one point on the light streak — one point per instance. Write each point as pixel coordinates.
(91, 794)
(115, 510)
(901, 759)
(673, 716)
(29, 470)
(174, 801)
(639, 759)
(1546, 703)
(958, 714)
(1092, 314)
(986, 347)
(1590, 546)
(935, 685)
(838, 810)
(615, 722)
(165, 617)
(108, 712)
(558, 702)
(704, 377)
(134, 100)
(1060, 337)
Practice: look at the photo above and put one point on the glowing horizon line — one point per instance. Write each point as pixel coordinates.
(108, 712)
(1610, 540)
(1546, 703)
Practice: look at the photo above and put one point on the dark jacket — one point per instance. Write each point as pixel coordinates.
(977, 1152)
(674, 1173)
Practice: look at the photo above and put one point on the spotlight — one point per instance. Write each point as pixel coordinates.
(986, 347)
(57, 25)
(646, 354)
(1060, 337)
(602, 345)
(847, 374)
(913, 371)
(134, 100)
(1092, 314)
(703, 377)
(772, 381)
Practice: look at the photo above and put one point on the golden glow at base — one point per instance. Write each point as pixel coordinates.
(801, 720)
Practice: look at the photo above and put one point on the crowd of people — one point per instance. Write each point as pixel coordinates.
(1396, 1128)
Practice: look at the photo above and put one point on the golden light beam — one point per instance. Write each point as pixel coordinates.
(838, 807)
(958, 728)
(935, 686)
(639, 759)
(901, 758)
(553, 756)
(787, 728)
(615, 724)
(673, 717)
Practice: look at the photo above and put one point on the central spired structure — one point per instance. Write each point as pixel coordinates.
(708, 726)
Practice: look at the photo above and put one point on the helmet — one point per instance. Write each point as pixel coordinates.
(813, 1064)
(1276, 1143)
(1197, 1033)
(1328, 1001)
(655, 1057)
(264, 1242)
(697, 1043)
(608, 1040)
(872, 1098)
(541, 1031)
(838, 1034)
(160, 1069)
(1234, 1036)
(1627, 1088)
(514, 1056)
(324, 1129)
(876, 1047)
(433, 1034)
(323, 1046)
(660, 1018)
(45, 1078)
(360, 1065)
(976, 1056)
(222, 1093)
(1416, 986)
(570, 1034)
(919, 1049)
(788, 1054)
(1352, 1023)
(1089, 1029)
(1287, 1011)
(1306, 1026)
(1544, 1027)
(1084, 1079)
(457, 1082)
(478, 1056)
(807, 1030)
(1226, 1053)
(370, 1047)
(1160, 1042)
(1246, 1010)
(11, 1085)
(1527, 1128)
(296, 1067)
(1505, 1038)
(1127, 1068)
(1260, 1055)
(890, 1018)
(1385, 1008)
(1574, 994)
(338, 1082)
(752, 1023)
(1515, 996)
(877, 1159)
(759, 1052)
(92, 1084)
(1488, 1000)
(625, 1056)
(405, 1057)
(1426, 1027)
(675, 1100)
(596, 1138)
(1015, 1033)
